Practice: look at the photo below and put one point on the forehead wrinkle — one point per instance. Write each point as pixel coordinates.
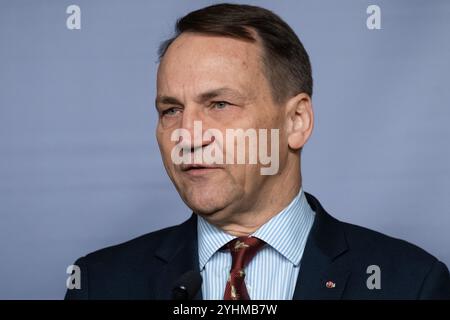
(221, 64)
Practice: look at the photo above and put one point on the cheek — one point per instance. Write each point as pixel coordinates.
(165, 144)
(266, 117)
(244, 175)
(233, 117)
(272, 118)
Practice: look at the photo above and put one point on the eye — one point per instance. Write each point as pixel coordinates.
(220, 104)
(170, 112)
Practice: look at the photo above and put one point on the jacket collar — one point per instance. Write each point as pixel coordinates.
(179, 253)
(324, 258)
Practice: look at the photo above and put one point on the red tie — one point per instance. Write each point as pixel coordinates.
(242, 251)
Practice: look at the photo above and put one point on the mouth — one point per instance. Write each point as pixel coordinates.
(199, 169)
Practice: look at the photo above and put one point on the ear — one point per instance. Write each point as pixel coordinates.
(299, 120)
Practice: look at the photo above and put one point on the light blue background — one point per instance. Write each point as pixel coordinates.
(79, 164)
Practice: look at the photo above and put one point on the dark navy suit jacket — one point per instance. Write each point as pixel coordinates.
(149, 266)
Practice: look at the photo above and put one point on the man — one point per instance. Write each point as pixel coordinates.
(254, 233)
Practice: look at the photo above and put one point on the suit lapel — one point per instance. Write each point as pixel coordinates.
(323, 273)
(179, 254)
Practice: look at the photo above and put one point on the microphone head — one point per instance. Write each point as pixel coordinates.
(187, 286)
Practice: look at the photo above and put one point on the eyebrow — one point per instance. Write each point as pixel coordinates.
(203, 97)
(211, 94)
(167, 100)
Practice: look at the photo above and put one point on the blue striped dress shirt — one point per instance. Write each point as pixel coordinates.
(272, 273)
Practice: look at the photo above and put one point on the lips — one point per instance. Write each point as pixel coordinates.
(196, 170)
(194, 167)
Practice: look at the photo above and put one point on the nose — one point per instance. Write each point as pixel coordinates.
(194, 122)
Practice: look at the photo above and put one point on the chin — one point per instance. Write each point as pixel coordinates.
(207, 202)
(205, 205)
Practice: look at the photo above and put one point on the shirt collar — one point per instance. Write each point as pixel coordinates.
(295, 221)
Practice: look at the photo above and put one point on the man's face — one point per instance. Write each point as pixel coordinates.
(220, 82)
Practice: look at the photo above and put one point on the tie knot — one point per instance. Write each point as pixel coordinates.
(243, 249)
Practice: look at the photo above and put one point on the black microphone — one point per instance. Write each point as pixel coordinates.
(187, 286)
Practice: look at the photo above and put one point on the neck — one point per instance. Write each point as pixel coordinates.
(270, 201)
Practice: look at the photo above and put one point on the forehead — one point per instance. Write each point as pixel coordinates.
(198, 62)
